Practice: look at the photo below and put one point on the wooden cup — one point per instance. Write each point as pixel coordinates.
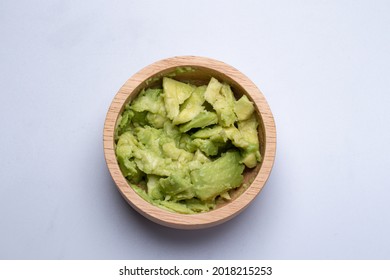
(198, 71)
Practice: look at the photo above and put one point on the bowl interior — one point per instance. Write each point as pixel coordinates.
(200, 75)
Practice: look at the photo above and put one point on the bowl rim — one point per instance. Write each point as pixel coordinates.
(200, 220)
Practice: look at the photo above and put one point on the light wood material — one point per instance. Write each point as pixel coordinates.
(204, 69)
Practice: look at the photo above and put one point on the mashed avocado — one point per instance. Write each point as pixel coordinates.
(182, 147)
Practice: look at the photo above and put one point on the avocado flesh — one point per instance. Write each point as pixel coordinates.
(251, 153)
(219, 176)
(149, 100)
(183, 147)
(243, 108)
(191, 107)
(175, 93)
(221, 97)
(203, 119)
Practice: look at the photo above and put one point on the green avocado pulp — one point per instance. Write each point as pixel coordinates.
(183, 147)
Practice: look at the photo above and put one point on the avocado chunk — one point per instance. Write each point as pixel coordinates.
(243, 108)
(142, 193)
(200, 157)
(207, 146)
(212, 91)
(149, 100)
(191, 107)
(150, 162)
(156, 120)
(224, 106)
(126, 147)
(248, 129)
(177, 186)
(170, 150)
(196, 205)
(149, 108)
(215, 134)
(218, 176)
(203, 119)
(207, 132)
(175, 93)
(221, 97)
(235, 135)
(190, 206)
(153, 187)
(246, 138)
(171, 131)
(177, 207)
(149, 137)
(124, 123)
(139, 119)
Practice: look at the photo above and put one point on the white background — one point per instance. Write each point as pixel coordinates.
(324, 67)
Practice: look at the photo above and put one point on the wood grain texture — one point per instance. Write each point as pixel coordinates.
(203, 69)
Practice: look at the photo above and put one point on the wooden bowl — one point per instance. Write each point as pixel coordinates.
(197, 70)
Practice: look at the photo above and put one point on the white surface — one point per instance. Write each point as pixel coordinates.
(323, 66)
